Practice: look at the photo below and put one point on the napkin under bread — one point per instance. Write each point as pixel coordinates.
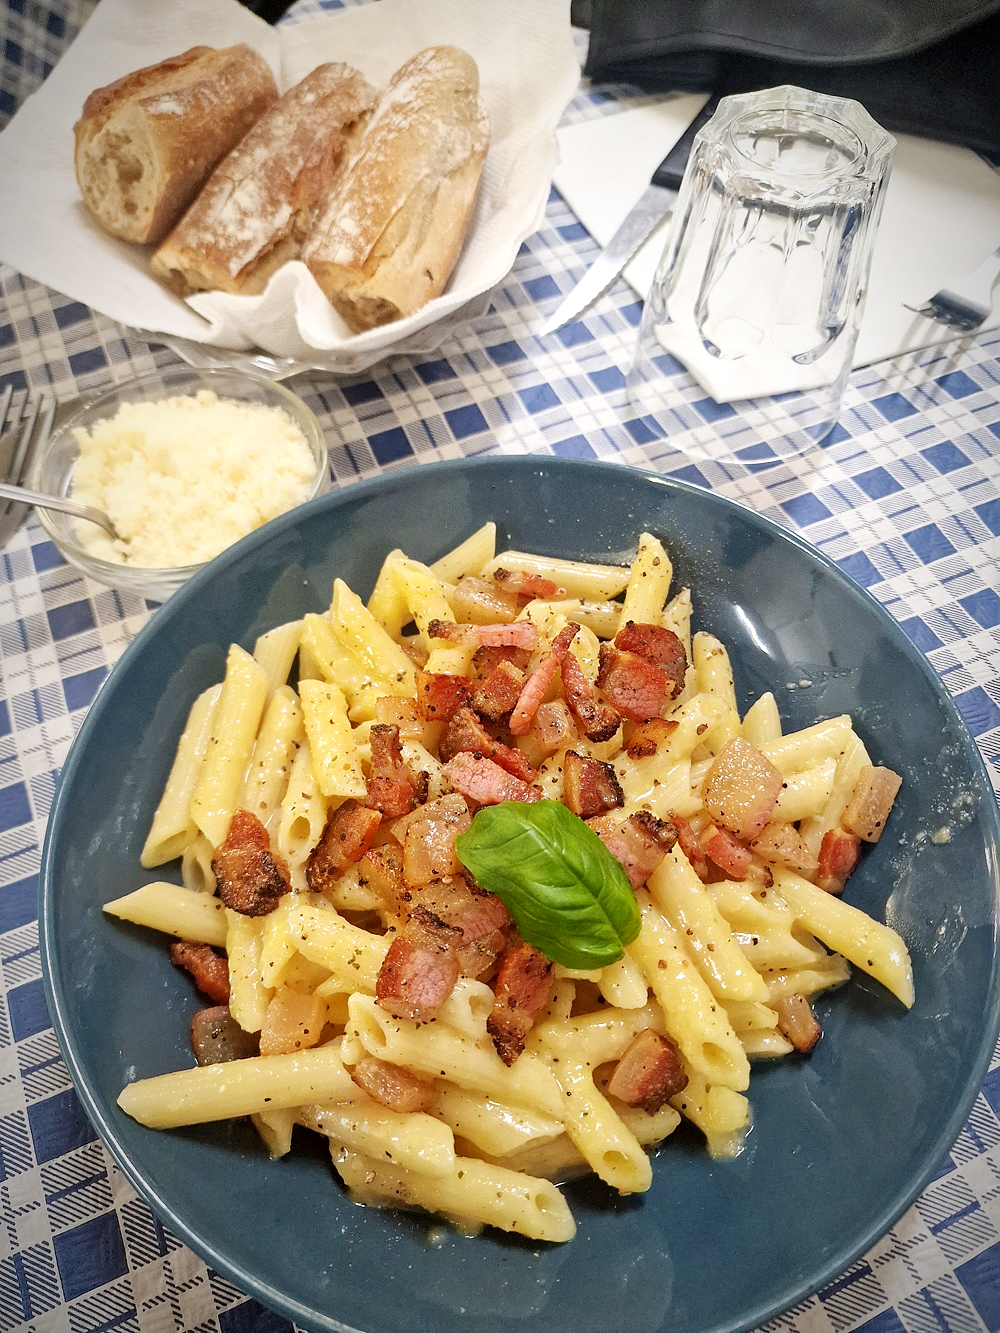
(528, 70)
(941, 217)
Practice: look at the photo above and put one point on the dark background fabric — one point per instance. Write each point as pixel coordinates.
(926, 67)
(269, 10)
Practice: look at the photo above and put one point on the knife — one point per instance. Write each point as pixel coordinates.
(656, 201)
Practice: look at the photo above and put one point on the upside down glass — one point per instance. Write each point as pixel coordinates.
(762, 283)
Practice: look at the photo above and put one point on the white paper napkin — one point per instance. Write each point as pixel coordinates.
(528, 70)
(941, 217)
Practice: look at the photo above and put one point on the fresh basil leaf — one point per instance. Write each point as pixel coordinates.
(567, 894)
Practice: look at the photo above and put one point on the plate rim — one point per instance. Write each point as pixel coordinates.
(253, 1285)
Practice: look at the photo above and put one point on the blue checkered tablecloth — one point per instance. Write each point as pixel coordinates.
(905, 496)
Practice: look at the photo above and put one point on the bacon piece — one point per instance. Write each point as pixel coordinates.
(518, 634)
(658, 645)
(552, 727)
(522, 990)
(741, 789)
(870, 802)
(634, 686)
(645, 738)
(797, 1022)
(381, 870)
(511, 759)
(420, 968)
(524, 584)
(466, 732)
(392, 788)
(839, 853)
(688, 842)
(450, 807)
(293, 1021)
(440, 694)
(781, 842)
(216, 1037)
(393, 1086)
(209, 969)
(394, 711)
(726, 851)
(598, 721)
(480, 916)
(639, 844)
(649, 1073)
(349, 832)
(429, 841)
(483, 781)
(484, 922)
(484, 659)
(482, 601)
(540, 680)
(250, 878)
(498, 691)
(590, 786)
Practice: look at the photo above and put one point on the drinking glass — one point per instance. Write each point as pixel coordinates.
(761, 286)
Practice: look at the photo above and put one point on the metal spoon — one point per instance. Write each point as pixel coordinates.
(8, 492)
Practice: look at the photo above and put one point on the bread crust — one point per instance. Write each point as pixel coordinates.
(146, 143)
(255, 209)
(392, 232)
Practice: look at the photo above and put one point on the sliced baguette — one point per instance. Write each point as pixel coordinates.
(392, 232)
(255, 209)
(146, 143)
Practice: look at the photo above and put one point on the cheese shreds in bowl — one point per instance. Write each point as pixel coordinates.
(184, 477)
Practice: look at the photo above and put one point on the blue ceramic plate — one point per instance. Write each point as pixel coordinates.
(841, 1143)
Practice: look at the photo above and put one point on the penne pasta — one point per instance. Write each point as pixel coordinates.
(468, 557)
(440, 1051)
(875, 948)
(329, 659)
(677, 618)
(680, 895)
(174, 910)
(721, 1114)
(649, 580)
(416, 1142)
(713, 669)
(302, 815)
(806, 792)
(798, 750)
(281, 734)
(196, 865)
(601, 1136)
(456, 1051)
(350, 954)
(496, 1128)
(173, 828)
(574, 578)
(248, 992)
(387, 665)
(333, 750)
(475, 1193)
(239, 1087)
(274, 652)
(235, 721)
(694, 1019)
(761, 722)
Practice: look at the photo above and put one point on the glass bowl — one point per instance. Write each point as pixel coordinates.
(55, 465)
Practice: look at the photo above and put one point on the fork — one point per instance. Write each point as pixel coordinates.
(966, 303)
(23, 430)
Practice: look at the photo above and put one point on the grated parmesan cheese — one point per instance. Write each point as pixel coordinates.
(185, 477)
